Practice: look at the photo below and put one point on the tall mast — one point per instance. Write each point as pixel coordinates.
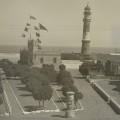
(30, 27)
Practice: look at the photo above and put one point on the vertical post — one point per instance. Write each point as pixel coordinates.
(39, 45)
(70, 112)
(30, 28)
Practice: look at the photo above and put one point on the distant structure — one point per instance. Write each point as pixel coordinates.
(34, 55)
(110, 63)
(85, 51)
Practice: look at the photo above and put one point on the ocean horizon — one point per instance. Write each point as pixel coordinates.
(63, 49)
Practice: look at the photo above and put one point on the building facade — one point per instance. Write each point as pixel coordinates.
(111, 63)
(37, 57)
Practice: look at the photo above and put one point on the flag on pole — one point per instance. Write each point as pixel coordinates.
(37, 34)
(36, 28)
(39, 40)
(26, 29)
(23, 35)
(42, 27)
(27, 24)
(31, 17)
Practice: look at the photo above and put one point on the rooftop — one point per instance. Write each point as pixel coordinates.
(106, 57)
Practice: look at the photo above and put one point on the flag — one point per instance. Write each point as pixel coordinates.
(26, 29)
(42, 27)
(27, 24)
(23, 35)
(39, 40)
(37, 34)
(31, 17)
(36, 28)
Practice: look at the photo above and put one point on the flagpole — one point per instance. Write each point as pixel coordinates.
(39, 36)
(30, 29)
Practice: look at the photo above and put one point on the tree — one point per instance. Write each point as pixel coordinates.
(67, 81)
(1, 100)
(38, 84)
(64, 77)
(7, 67)
(42, 93)
(30, 74)
(62, 67)
(9, 72)
(37, 95)
(1, 88)
(50, 72)
(1, 91)
(48, 92)
(25, 78)
(86, 67)
(33, 84)
(21, 70)
(78, 95)
(100, 67)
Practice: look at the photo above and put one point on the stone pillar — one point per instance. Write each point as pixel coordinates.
(70, 112)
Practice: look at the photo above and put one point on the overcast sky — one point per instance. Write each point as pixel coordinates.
(63, 19)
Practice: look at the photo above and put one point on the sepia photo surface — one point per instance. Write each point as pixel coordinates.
(59, 59)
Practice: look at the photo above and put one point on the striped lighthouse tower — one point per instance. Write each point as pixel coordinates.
(86, 32)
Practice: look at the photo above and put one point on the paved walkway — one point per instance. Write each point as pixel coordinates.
(16, 112)
(15, 109)
(95, 108)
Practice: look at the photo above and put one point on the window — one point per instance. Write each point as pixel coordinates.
(54, 60)
(41, 60)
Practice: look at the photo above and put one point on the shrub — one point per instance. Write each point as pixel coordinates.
(78, 95)
(21, 70)
(1, 88)
(62, 67)
(32, 84)
(68, 81)
(44, 92)
(86, 67)
(50, 72)
(64, 77)
(1, 100)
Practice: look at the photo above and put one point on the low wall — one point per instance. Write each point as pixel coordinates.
(101, 92)
(114, 105)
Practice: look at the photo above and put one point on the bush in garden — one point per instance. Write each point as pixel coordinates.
(86, 67)
(64, 77)
(43, 93)
(78, 95)
(1, 88)
(50, 72)
(1, 100)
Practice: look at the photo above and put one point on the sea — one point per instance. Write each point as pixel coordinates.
(63, 49)
(11, 52)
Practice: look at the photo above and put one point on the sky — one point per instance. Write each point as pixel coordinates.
(63, 19)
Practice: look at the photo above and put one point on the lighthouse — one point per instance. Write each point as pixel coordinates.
(85, 51)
